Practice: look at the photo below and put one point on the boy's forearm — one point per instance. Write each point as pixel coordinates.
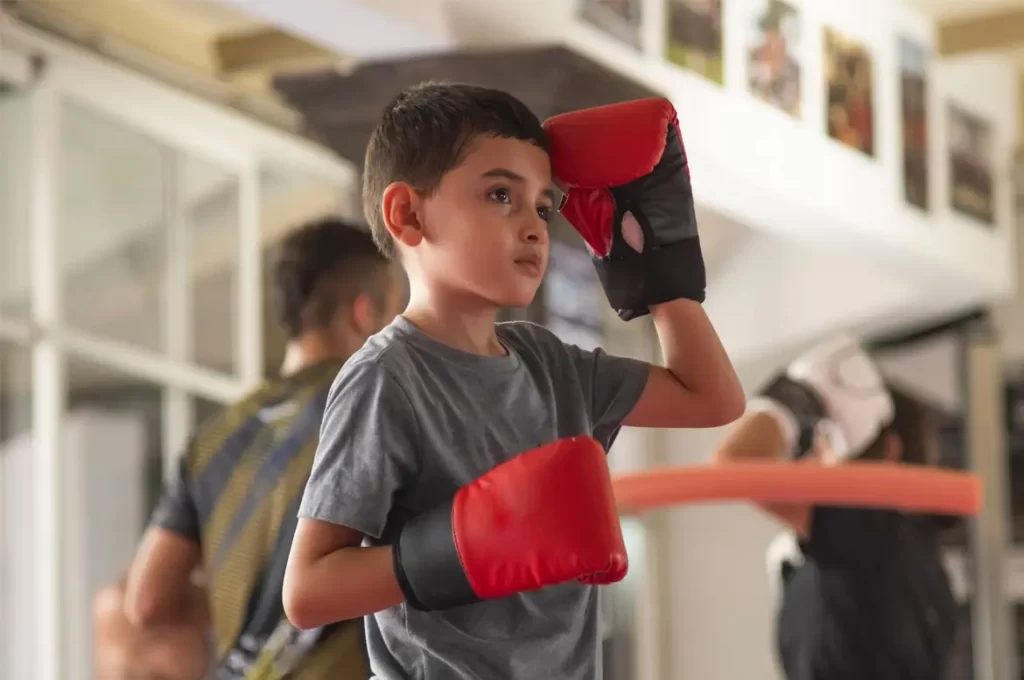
(346, 584)
(695, 355)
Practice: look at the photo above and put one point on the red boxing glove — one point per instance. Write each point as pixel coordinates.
(545, 517)
(624, 172)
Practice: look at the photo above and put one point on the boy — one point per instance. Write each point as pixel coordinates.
(863, 592)
(426, 427)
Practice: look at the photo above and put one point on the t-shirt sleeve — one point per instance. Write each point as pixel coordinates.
(851, 537)
(611, 385)
(176, 510)
(366, 454)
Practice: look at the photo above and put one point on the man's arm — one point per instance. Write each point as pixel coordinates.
(834, 382)
(125, 652)
(160, 576)
(765, 436)
(698, 386)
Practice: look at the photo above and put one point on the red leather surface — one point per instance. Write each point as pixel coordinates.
(545, 517)
(609, 146)
(592, 213)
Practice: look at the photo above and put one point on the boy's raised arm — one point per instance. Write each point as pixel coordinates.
(624, 171)
(698, 386)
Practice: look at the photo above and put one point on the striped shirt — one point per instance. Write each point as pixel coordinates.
(236, 492)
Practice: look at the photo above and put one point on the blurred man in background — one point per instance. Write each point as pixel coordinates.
(862, 592)
(230, 510)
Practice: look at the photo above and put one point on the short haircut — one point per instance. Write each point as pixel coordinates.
(917, 425)
(426, 131)
(322, 265)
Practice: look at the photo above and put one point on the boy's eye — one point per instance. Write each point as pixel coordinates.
(545, 212)
(501, 195)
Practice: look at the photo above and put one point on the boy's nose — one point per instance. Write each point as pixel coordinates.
(535, 231)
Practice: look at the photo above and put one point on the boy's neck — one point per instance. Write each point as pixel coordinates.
(466, 328)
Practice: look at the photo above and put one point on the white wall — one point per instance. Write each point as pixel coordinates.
(721, 616)
(781, 176)
(930, 369)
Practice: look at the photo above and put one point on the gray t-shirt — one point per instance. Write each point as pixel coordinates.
(408, 422)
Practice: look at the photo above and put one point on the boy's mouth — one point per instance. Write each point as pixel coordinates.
(531, 264)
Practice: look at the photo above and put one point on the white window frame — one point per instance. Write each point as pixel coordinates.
(187, 125)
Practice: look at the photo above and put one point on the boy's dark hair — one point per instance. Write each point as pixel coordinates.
(425, 132)
(322, 265)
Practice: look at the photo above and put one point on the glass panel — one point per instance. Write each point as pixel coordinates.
(212, 218)
(112, 434)
(16, 534)
(111, 232)
(14, 205)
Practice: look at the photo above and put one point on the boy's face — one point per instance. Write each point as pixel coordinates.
(485, 230)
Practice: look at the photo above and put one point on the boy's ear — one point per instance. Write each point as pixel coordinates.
(401, 207)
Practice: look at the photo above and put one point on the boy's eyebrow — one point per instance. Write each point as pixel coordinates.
(515, 177)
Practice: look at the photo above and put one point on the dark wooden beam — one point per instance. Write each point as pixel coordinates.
(341, 109)
(993, 31)
(923, 333)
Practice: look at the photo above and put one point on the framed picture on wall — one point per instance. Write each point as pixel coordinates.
(694, 36)
(773, 63)
(621, 19)
(970, 166)
(849, 92)
(914, 114)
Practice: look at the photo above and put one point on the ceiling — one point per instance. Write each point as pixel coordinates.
(206, 47)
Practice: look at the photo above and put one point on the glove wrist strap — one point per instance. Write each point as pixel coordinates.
(635, 281)
(427, 565)
(803, 404)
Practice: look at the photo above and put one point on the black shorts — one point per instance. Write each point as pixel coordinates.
(871, 600)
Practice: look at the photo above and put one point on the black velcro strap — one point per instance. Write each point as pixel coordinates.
(427, 563)
(805, 405)
(633, 281)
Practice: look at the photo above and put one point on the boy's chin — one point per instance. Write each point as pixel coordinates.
(514, 299)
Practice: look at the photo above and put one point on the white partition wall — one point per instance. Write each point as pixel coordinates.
(125, 204)
(830, 231)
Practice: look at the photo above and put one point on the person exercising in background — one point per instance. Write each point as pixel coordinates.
(231, 508)
(863, 592)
